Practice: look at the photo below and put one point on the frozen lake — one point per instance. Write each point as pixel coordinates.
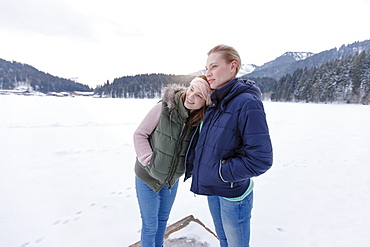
(67, 179)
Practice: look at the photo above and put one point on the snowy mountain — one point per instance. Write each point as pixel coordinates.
(344, 80)
(299, 55)
(247, 69)
(279, 65)
(286, 59)
(290, 61)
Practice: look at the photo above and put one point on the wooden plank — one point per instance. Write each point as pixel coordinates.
(178, 226)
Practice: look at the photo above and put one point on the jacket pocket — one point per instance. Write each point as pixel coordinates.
(209, 176)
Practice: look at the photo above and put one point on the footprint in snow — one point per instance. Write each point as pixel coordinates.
(56, 222)
(39, 240)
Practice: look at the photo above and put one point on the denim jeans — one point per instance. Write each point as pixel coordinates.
(155, 209)
(231, 220)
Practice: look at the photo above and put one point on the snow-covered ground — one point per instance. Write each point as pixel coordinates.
(67, 179)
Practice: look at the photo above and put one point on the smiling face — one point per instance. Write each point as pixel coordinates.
(219, 70)
(194, 99)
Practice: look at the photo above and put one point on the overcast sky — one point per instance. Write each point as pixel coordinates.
(95, 41)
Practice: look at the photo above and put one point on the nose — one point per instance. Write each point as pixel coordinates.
(191, 95)
(208, 73)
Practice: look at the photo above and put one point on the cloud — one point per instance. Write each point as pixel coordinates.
(100, 40)
(51, 18)
(63, 19)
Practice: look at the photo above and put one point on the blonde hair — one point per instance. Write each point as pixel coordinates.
(196, 117)
(229, 54)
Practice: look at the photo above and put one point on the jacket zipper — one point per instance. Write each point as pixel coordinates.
(190, 142)
(173, 170)
(171, 124)
(188, 149)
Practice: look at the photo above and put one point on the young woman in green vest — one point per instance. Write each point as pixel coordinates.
(161, 141)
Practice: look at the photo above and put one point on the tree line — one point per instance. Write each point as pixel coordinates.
(344, 80)
(13, 74)
(140, 86)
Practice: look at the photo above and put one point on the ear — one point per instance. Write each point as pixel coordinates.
(234, 64)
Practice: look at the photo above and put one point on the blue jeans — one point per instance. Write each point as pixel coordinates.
(231, 220)
(155, 209)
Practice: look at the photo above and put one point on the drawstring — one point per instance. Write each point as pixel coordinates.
(220, 174)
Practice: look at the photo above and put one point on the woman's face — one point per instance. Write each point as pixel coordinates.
(219, 71)
(194, 99)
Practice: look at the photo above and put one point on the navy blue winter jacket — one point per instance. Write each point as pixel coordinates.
(234, 143)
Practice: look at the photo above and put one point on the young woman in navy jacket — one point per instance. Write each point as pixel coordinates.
(234, 145)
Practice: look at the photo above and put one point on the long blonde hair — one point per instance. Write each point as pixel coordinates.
(197, 116)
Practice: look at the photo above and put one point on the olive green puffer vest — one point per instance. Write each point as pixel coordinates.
(169, 142)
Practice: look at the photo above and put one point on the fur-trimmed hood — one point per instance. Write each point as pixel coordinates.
(169, 93)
